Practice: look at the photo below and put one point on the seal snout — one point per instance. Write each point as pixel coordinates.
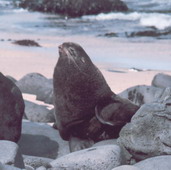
(60, 47)
(62, 50)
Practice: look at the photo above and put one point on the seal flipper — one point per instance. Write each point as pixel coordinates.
(105, 114)
(94, 129)
(115, 113)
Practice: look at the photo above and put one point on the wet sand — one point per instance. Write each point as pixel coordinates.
(17, 61)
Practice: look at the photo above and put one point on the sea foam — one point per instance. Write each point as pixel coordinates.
(114, 16)
(158, 20)
(20, 10)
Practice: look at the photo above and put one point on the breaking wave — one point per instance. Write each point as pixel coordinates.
(158, 20)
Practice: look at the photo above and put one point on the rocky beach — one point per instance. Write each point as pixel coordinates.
(136, 67)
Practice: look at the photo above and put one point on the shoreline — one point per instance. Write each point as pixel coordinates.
(18, 61)
(121, 81)
(113, 52)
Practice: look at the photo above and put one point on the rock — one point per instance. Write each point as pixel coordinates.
(37, 162)
(10, 154)
(41, 168)
(40, 139)
(38, 113)
(149, 33)
(45, 95)
(158, 162)
(106, 142)
(101, 157)
(11, 110)
(142, 94)
(126, 167)
(125, 154)
(8, 167)
(149, 132)
(161, 80)
(29, 167)
(35, 83)
(111, 34)
(74, 8)
(26, 43)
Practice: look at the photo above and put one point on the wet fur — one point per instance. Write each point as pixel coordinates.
(78, 87)
(85, 106)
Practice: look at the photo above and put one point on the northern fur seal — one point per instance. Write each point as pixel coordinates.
(79, 88)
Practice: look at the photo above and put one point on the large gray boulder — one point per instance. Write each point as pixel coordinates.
(106, 142)
(41, 140)
(126, 156)
(38, 113)
(158, 162)
(126, 167)
(101, 157)
(10, 154)
(11, 110)
(161, 80)
(74, 8)
(142, 94)
(8, 167)
(149, 132)
(35, 83)
(36, 162)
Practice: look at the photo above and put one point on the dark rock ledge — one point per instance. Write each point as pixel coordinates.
(74, 8)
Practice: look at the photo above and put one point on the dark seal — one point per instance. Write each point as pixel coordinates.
(79, 88)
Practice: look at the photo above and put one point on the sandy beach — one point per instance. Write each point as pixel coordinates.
(18, 61)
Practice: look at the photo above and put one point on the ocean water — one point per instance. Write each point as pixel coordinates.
(144, 15)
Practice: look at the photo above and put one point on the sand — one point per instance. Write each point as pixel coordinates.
(17, 61)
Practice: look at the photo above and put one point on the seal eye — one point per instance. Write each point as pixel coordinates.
(71, 51)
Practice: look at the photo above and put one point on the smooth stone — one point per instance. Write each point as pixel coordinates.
(101, 157)
(8, 167)
(40, 139)
(36, 162)
(126, 156)
(27, 167)
(10, 154)
(11, 110)
(126, 167)
(38, 113)
(106, 142)
(158, 162)
(41, 168)
(161, 80)
(35, 83)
